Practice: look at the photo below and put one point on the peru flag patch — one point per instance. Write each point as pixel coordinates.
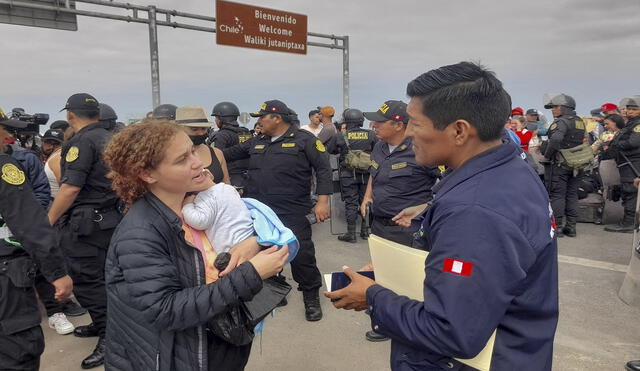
(458, 267)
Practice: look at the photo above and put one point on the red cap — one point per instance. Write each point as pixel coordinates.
(518, 111)
(608, 107)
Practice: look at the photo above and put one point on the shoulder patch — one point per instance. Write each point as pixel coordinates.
(374, 164)
(73, 154)
(12, 175)
(636, 129)
(553, 126)
(320, 146)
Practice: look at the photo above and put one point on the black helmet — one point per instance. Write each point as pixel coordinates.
(165, 111)
(353, 116)
(59, 125)
(551, 100)
(226, 111)
(107, 113)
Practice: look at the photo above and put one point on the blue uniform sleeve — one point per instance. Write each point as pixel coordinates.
(37, 177)
(460, 312)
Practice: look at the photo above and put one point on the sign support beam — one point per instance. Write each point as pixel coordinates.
(339, 42)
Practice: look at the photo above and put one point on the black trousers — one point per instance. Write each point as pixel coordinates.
(563, 193)
(629, 198)
(353, 189)
(85, 260)
(21, 338)
(395, 233)
(303, 267)
(46, 293)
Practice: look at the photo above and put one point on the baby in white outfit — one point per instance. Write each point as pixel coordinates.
(221, 213)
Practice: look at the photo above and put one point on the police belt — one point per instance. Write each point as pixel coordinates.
(387, 222)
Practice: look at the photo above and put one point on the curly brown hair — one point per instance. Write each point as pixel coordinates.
(138, 147)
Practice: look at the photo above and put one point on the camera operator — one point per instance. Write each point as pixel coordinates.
(28, 159)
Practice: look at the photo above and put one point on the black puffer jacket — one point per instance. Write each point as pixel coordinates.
(158, 303)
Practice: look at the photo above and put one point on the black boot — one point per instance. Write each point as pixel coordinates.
(569, 229)
(633, 365)
(559, 227)
(350, 236)
(86, 331)
(620, 228)
(312, 309)
(96, 358)
(375, 336)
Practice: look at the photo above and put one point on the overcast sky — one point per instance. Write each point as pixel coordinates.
(589, 49)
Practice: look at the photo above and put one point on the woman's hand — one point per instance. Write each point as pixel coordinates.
(269, 262)
(241, 253)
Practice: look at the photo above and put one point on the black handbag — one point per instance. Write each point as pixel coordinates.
(235, 326)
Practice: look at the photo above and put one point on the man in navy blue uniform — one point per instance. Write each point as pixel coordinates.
(491, 266)
(396, 181)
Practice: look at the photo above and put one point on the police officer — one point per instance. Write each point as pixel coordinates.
(492, 267)
(281, 161)
(27, 242)
(230, 133)
(396, 181)
(89, 210)
(354, 180)
(626, 148)
(164, 111)
(109, 116)
(566, 131)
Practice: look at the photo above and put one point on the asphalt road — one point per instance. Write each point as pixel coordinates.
(596, 330)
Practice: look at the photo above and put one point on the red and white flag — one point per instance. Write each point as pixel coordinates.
(459, 267)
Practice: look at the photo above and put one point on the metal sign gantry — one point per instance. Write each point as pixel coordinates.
(151, 19)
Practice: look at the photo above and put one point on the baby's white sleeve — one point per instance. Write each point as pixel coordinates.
(234, 217)
(201, 214)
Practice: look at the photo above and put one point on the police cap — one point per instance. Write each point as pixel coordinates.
(82, 102)
(394, 110)
(53, 134)
(272, 107)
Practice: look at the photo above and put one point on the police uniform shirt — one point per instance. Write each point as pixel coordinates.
(491, 266)
(566, 131)
(280, 170)
(398, 181)
(627, 141)
(229, 136)
(24, 225)
(82, 165)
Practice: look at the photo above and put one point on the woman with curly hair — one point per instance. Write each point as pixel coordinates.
(160, 297)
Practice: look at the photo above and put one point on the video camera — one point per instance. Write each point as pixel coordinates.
(33, 121)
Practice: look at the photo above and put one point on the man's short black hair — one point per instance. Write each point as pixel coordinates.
(465, 91)
(313, 112)
(86, 114)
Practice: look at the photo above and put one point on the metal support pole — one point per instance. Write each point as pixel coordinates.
(155, 60)
(345, 72)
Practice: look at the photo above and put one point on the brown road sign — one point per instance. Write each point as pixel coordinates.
(260, 28)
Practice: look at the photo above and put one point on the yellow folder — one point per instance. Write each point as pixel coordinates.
(401, 269)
